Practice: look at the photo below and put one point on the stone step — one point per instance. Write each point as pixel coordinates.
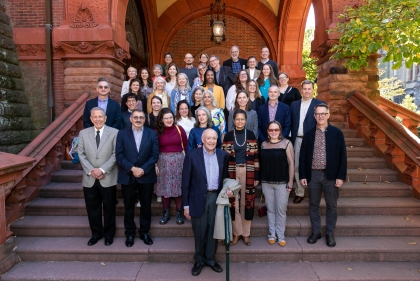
(262, 271)
(365, 163)
(357, 151)
(371, 175)
(349, 133)
(340, 125)
(68, 165)
(346, 206)
(352, 142)
(347, 225)
(181, 249)
(67, 176)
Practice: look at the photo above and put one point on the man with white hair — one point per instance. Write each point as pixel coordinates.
(235, 62)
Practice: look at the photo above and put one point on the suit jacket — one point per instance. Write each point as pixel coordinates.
(226, 78)
(128, 156)
(194, 179)
(242, 62)
(98, 157)
(256, 73)
(336, 167)
(125, 119)
(113, 113)
(309, 121)
(282, 116)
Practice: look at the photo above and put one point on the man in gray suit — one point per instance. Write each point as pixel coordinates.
(97, 155)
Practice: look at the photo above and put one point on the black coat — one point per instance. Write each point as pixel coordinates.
(226, 78)
(113, 113)
(243, 63)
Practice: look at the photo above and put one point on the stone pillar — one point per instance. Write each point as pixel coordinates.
(15, 115)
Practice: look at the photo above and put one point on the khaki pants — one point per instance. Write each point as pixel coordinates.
(241, 226)
(300, 189)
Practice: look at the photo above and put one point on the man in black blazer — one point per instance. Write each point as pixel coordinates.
(303, 119)
(323, 168)
(224, 75)
(202, 180)
(235, 62)
(282, 114)
(111, 107)
(265, 59)
(131, 103)
(137, 151)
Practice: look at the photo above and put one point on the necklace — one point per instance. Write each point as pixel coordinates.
(234, 135)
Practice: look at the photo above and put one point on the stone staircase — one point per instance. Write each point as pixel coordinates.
(377, 236)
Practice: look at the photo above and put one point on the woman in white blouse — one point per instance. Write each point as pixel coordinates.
(171, 72)
(183, 116)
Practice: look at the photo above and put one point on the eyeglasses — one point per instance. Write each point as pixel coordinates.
(323, 114)
(273, 130)
(212, 61)
(243, 74)
(188, 58)
(138, 117)
(103, 87)
(283, 78)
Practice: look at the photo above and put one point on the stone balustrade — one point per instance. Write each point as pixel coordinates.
(390, 139)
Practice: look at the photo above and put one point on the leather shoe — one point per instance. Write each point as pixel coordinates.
(313, 238)
(109, 241)
(247, 241)
(297, 199)
(235, 240)
(146, 239)
(330, 240)
(196, 270)
(129, 241)
(216, 267)
(94, 240)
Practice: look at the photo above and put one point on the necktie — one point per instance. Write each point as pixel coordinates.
(98, 139)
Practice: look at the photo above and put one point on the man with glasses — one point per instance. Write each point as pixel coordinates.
(189, 69)
(112, 108)
(323, 168)
(303, 119)
(131, 104)
(168, 59)
(235, 62)
(224, 75)
(137, 151)
(253, 72)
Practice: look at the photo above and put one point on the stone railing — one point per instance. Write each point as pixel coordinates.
(410, 119)
(391, 140)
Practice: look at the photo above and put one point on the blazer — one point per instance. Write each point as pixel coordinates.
(256, 73)
(282, 116)
(336, 167)
(127, 156)
(194, 179)
(309, 121)
(113, 113)
(226, 78)
(98, 157)
(242, 62)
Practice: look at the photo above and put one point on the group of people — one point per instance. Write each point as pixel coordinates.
(179, 133)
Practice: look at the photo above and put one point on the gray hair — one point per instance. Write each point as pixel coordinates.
(186, 86)
(157, 66)
(209, 119)
(97, 109)
(307, 82)
(159, 79)
(213, 99)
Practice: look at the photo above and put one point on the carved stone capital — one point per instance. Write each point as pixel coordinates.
(93, 47)
(83, 18)
(31, 49)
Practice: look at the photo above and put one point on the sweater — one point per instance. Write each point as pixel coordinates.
(170, 140)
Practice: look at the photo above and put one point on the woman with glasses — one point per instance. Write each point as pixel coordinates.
(266, 79)
(242, 102)
(203, 122)
(239, 85)
(158, 91)
(157, 71)
(204, 59)
(199, 80)
(172, 146)
(241, 144)
(254, 95)
(277, 171)
(288, 94)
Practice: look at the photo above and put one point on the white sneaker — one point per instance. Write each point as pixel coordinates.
(159, 199)
(138, 204)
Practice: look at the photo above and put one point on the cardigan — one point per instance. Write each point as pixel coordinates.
(252, 170)
(251, 121)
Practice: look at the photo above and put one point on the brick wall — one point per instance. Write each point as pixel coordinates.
(58, 85)
(195, 37)
(31, 13)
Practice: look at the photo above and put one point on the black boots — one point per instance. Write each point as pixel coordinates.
(165, 217)
(179, 216)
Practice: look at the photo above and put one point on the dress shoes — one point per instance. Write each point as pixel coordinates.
(297, 199)
(216, 267)
(94, 240)
(330, 240)
(313, 238)
(129, 241)
(246, 240)
(109, 241)
(146, 239)
(196, 270)
(235, 240)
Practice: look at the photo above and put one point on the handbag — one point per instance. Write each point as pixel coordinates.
(182, 144)
(262, 209)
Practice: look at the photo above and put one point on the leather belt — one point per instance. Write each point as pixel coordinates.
(240, 165)
(212, 191)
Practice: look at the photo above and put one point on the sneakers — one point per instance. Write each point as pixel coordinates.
(271, 239)
(282, 243)
(159, 199)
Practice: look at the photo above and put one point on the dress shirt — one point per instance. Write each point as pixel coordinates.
(138, 135)
(251, 74)
(236, 66)
(319, 161)
(217, 75)
(272, 110)
(212, 170)
(304, 106)
(186, 123)
(101, 132)
(103, 103)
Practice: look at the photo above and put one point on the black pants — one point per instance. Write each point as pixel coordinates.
(320, 184)
(203, 228)
(96, 197)
(144, 193)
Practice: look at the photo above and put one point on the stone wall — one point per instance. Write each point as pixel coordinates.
(15, 114)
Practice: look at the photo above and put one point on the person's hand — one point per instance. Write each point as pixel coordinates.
(157, 170)
(338, 183)
(256, 183)
(304, 182)
(289, 186)
(187, 213)
(96, 173)
(137, 172)
(229, 193)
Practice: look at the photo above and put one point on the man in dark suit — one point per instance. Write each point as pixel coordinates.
(224, 75)
(235, 62)
(131, 102)
(112, 108)
(273, 110)
(202, 180)
(303, 119)
(323, 168)
(137, 152)
(265, 59)
(96, 150)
